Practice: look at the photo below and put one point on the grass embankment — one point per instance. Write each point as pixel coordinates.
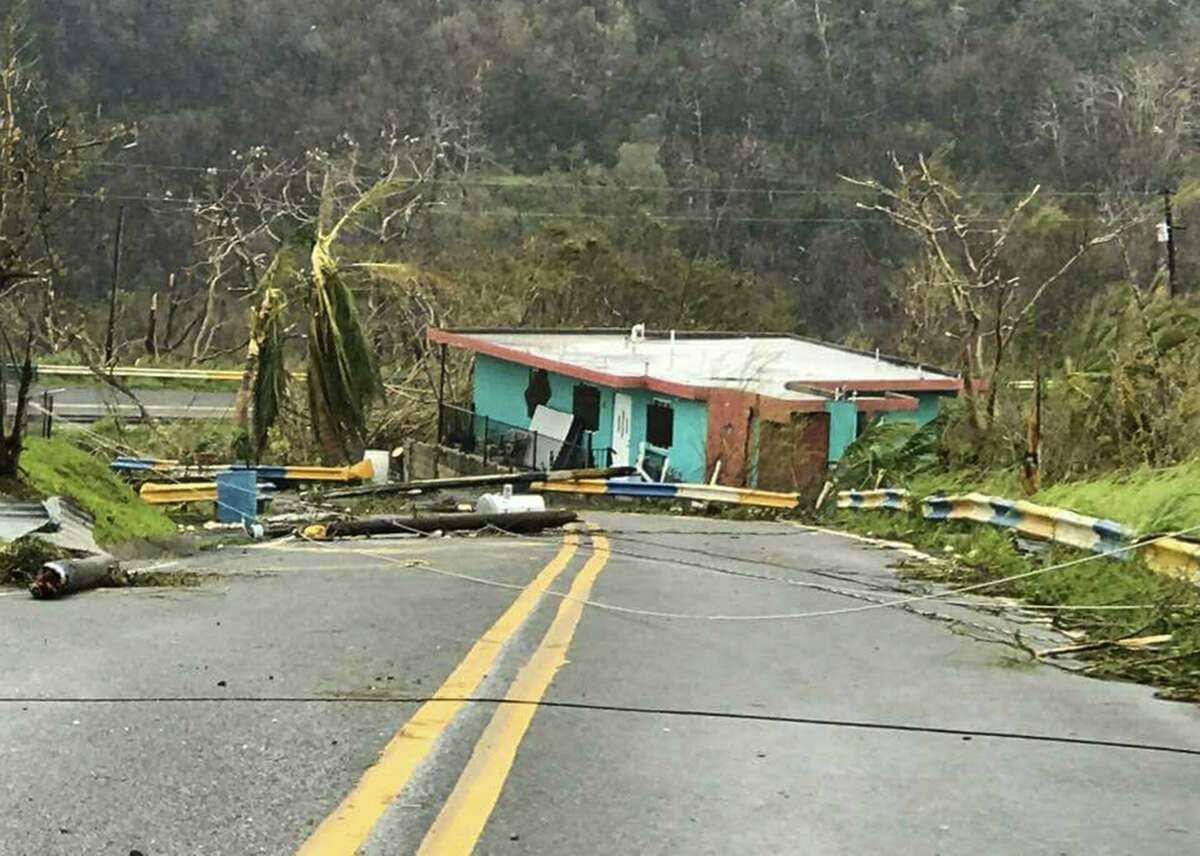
(56, 467)
(1148, 500)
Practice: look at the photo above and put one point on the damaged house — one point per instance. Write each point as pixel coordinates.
(760, 410)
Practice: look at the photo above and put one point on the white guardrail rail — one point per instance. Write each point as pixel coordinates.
(1173, 556)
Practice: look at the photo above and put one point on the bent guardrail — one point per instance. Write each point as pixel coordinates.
(1176, 557)
(886, 498)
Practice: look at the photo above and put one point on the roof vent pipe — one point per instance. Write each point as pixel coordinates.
(671, 353)
(638, 333)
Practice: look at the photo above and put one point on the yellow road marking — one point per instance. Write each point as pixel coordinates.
(344, 831)
(462, 818)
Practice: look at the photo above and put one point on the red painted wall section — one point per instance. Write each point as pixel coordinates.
(729, 413)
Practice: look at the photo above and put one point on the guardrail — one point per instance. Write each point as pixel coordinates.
(1172, 556)
(155, 493)
(362, 471)
(656, 490)
(153, 372)
(1037, 521)
(888, 498)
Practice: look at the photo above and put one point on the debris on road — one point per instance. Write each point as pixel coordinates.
(65, 576)
(1135, 643)
(487, 480)
(522, 522)
(508, 503)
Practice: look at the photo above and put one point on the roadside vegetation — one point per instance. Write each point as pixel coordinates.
(968, 553)
(57, 467)
(1147, 498)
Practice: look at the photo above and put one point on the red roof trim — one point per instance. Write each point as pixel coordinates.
(679, 390)
(889, 403)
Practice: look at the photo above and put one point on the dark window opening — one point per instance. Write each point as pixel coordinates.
(586, 407)
(660, 424)
(538, 391)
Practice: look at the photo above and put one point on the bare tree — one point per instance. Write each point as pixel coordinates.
(41, 155)
(967, 271)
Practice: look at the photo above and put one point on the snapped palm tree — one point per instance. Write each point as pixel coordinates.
(343, 379)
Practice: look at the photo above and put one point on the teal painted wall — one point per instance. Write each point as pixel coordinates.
(499, 393)
(843, 427)
(928, 407)
(689, 432)
(499, 390)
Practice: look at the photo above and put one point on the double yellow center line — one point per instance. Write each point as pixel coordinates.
(462, 818)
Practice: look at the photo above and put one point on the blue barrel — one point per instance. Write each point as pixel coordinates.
(237, 496)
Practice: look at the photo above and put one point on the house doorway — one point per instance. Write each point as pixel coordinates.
(622, 429)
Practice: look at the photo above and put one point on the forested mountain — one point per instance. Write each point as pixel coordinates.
(773, 97)
(692, 163)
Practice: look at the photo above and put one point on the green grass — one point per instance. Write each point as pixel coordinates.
(57, 468)
(1149, 500)
(188, 440)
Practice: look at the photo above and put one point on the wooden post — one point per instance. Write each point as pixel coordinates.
(442, 398)
(112, 297)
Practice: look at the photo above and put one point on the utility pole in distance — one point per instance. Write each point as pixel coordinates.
(1167, 236)
(112, 297)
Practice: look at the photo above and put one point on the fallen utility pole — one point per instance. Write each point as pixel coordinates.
(430, 485)
(523, 522)
(71, 575)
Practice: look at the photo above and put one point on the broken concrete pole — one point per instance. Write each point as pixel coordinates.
(487, 480)
(524, 522)
(71, 575)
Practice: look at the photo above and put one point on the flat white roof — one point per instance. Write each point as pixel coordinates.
(759, 364)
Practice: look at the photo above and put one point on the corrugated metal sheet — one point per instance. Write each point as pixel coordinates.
(55, 520)
(21, 518)
(72, 527)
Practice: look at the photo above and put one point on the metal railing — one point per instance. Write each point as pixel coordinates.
(508, 446)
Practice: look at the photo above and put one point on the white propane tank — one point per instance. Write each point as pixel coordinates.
(509, 503)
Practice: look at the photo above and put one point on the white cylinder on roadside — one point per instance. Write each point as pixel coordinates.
(498, 503)
(380, 463)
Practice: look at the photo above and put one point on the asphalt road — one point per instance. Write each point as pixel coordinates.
(257, 713)
(89, 403)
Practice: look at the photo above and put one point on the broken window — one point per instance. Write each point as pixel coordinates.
(586, 406)
(538, 391)
(660, 424)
